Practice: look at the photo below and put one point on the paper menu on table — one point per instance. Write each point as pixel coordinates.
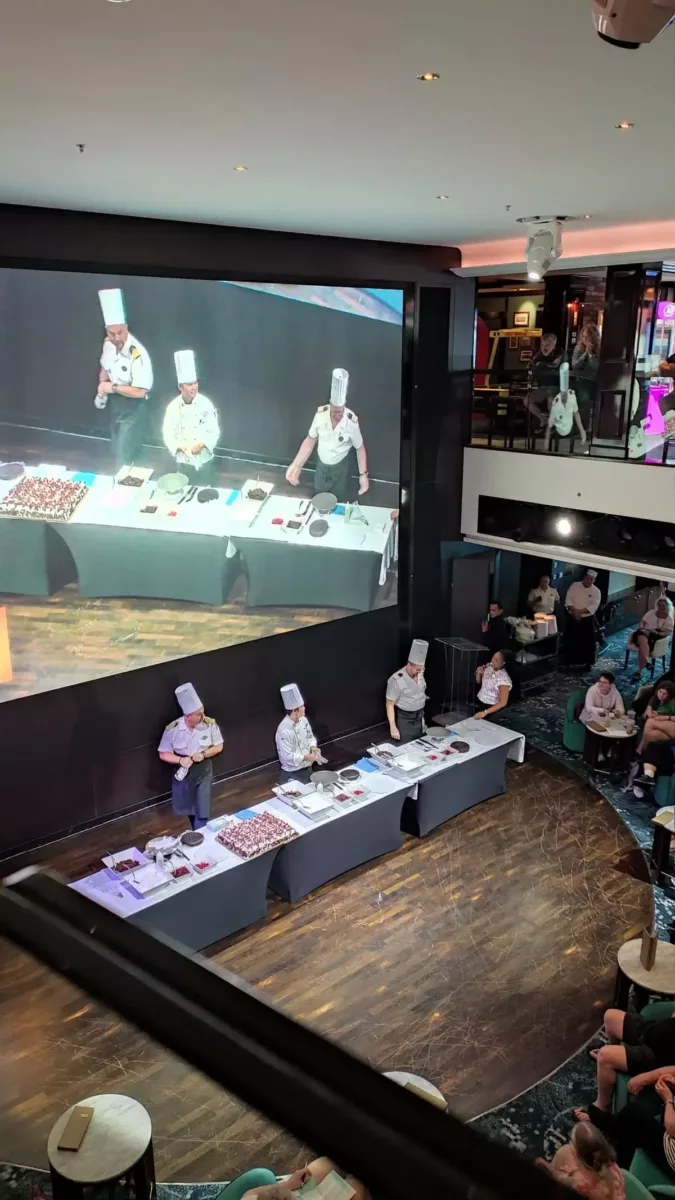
(333, 1187)
(314, 802)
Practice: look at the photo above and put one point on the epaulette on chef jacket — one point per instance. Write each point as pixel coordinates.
(323, 408)
(135, 352)
(351, 415)
(210, 720)
(172, 725)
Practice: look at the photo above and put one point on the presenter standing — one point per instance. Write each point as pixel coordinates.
(333, 432)
(125, 378)
(190, 743)
(406, 696)
(296, 743)
(190, 429)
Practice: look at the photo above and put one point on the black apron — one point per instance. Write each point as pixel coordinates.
(191, 797)
(409, 724)
(580, 647)
(336, 479)
(302, 775)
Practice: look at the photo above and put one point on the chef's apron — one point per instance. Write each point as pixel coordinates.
(127, 430)
(409, 724)
(204, 476)
(335, 478)
(580, 645)
(191, 797)
(302, 775)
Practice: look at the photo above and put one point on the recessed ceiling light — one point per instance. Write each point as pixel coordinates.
(240, 167)
(587, 216)
(118, 1)
(428, 76)
(442, 197)
(625, 125)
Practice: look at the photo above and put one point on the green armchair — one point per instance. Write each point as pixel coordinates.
(573, 731)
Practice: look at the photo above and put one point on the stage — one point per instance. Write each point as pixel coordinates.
(480, 957)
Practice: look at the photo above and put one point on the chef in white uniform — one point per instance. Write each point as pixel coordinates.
(581, 603)
(296, 744)
(124, 381)
(333, 432)
(543, 598)
(190, 743)
(406, 696)
(190, 429)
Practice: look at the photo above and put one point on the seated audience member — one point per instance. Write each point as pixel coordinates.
(656, 624)
(494, 629)
(563, 416)
(634, 1127)
(645, 695)
(663, 595)
(495, 685)
(543, 598)
(638, 1046)
(659, 723)
(263, 1183)
(587, 1164)
(603, 699)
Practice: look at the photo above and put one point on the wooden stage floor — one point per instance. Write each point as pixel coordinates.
(481, 958)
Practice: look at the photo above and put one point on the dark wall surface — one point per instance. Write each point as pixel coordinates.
(264, 360)
(84, 753)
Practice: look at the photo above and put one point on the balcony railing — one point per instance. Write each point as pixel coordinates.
(628, 417)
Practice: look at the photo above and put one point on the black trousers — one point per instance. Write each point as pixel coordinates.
(303, 775)
(127, 430)
(637, 1128)
(336, 479)
(409, 724)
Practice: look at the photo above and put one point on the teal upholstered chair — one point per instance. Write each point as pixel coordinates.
(664, 792)
(255, 1178)
(634, 1189)
(657, 1183)
(573, 731)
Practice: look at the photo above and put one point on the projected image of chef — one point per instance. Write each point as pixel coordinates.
(190, 428)
(124, 381)
(334, 432)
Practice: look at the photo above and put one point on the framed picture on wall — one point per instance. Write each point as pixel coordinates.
(513, 343)
(521, 320)
(525, 343)
(525, 355)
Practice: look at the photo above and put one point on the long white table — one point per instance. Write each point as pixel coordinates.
(201, 909)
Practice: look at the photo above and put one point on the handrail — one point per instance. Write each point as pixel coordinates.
(397, 1144)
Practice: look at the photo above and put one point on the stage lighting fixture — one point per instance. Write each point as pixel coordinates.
(564, 526)
(624, 535)
(669, 541)
(544, 245)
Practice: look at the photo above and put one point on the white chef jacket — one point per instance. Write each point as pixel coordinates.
(185, 424)
(294, 740)
(178, 739)
(334, 444)
(543, 601)
(131, 365)
(579, 596)
(408, 694)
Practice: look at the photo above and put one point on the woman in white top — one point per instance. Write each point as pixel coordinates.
(655, 625)
(495, 685)
(602, 700)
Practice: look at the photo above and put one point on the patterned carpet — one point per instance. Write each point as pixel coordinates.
(539, 1120)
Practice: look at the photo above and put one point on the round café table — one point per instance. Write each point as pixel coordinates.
(660, 980)
(116, 1149)
(609, 750)
(422, 1085)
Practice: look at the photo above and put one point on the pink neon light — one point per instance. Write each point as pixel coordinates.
(652, 236)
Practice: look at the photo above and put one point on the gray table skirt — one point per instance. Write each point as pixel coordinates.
(289, 574)
(461, 786)
(154, 564)
(329, 850)
(34, 561)
(213, 908)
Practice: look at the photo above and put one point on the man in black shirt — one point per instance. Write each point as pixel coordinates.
(494, 629)
(544, 377)
(643, 1047)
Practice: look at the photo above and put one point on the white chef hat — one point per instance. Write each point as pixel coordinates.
(186, 367)
(338, 387)
(188, 698)
(112, 306)
(589, 571)
(564, 376)
(418, 653)
(291, 696)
